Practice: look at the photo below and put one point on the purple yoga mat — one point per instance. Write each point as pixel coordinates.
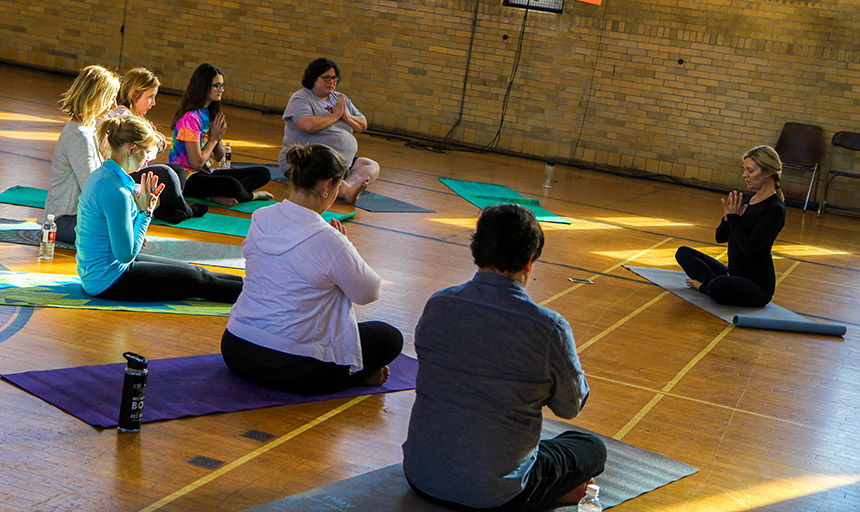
(176, 388)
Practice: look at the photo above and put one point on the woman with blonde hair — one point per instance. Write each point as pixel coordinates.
(91, 96)
(750, 225)
(136, 97)
(294, 328)
(113, 216)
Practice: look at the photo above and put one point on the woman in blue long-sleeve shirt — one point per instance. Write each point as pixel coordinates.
(112, 221)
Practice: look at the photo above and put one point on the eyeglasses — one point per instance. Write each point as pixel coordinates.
(220, 86)
(329, 78)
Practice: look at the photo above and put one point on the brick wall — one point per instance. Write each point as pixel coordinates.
(680, 87)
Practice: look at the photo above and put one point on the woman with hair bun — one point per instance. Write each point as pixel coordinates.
(91, 96)
(136, 97)
(113, 216)
(750, 225)
(293, 327)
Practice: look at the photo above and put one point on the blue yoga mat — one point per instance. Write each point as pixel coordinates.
(176, 388)
(772, 316)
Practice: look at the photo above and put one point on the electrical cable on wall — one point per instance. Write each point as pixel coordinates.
(466, 73)
(494, 142)
(572, 154)
(122, 35)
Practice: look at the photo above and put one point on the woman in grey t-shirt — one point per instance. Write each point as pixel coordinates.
(316, 114)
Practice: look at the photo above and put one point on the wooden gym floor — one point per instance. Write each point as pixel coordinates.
(769, 418)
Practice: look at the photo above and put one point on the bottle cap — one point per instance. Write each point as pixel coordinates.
(135, 361)
(50, 216)
(592, 489)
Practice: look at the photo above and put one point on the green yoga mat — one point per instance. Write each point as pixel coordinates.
(64, 291)
(210, 223)
(486, 194)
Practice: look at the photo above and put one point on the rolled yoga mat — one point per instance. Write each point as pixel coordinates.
(629, 472)
(771, 316)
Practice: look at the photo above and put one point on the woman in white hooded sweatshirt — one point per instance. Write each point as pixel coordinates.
(293, 327)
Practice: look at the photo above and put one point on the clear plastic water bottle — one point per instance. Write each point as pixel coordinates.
(591, 501)
(548, 171)
(228, 155)
(49, 238)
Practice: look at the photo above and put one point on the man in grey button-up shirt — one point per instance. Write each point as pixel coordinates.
(489, 360)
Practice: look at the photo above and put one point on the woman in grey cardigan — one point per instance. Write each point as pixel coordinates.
(91, 96)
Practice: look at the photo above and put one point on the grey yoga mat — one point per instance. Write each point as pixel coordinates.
(769, 317)
(630, 472)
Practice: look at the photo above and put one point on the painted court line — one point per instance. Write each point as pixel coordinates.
(668, 387)
(259, 451)
(608, 270)
(619, 323)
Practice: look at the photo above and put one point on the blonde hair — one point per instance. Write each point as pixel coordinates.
(127, 130)
(768, 159)
(91, 93)
(134, 83)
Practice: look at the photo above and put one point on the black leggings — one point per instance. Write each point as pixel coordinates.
(153, 278)
(717, 283)
(236, 183)
(381, 343)
(172, 207)
(563, 464)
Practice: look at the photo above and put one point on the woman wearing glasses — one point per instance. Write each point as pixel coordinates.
(198, 127)
(316, 114)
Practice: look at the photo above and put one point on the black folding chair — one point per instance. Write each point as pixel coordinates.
(799, 148)
(847, 140)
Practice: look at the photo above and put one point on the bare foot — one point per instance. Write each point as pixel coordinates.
(262, 194)
(224, 201)
(576, 495)
(378, 377)
(692, 283)
(350, 194)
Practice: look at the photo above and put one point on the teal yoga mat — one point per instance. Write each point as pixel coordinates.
(24, 196)
(210, 223)
(772, 316)
(64, 291)
(486, 194)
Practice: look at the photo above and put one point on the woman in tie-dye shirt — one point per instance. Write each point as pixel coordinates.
(198, 127)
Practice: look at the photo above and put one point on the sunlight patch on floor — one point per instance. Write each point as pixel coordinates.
(762, 494)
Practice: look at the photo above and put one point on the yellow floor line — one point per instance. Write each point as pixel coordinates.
(639, 415)
(617, 324)
(785, 274)
(681, 374)
(259, 451)
(703, 402)
(608, 270)
(668, 387)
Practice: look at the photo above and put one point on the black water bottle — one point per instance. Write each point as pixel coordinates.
(133, 391)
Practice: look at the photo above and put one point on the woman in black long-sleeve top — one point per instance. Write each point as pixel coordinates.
(750, 225)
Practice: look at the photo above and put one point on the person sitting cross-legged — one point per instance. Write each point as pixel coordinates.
(489, 360)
